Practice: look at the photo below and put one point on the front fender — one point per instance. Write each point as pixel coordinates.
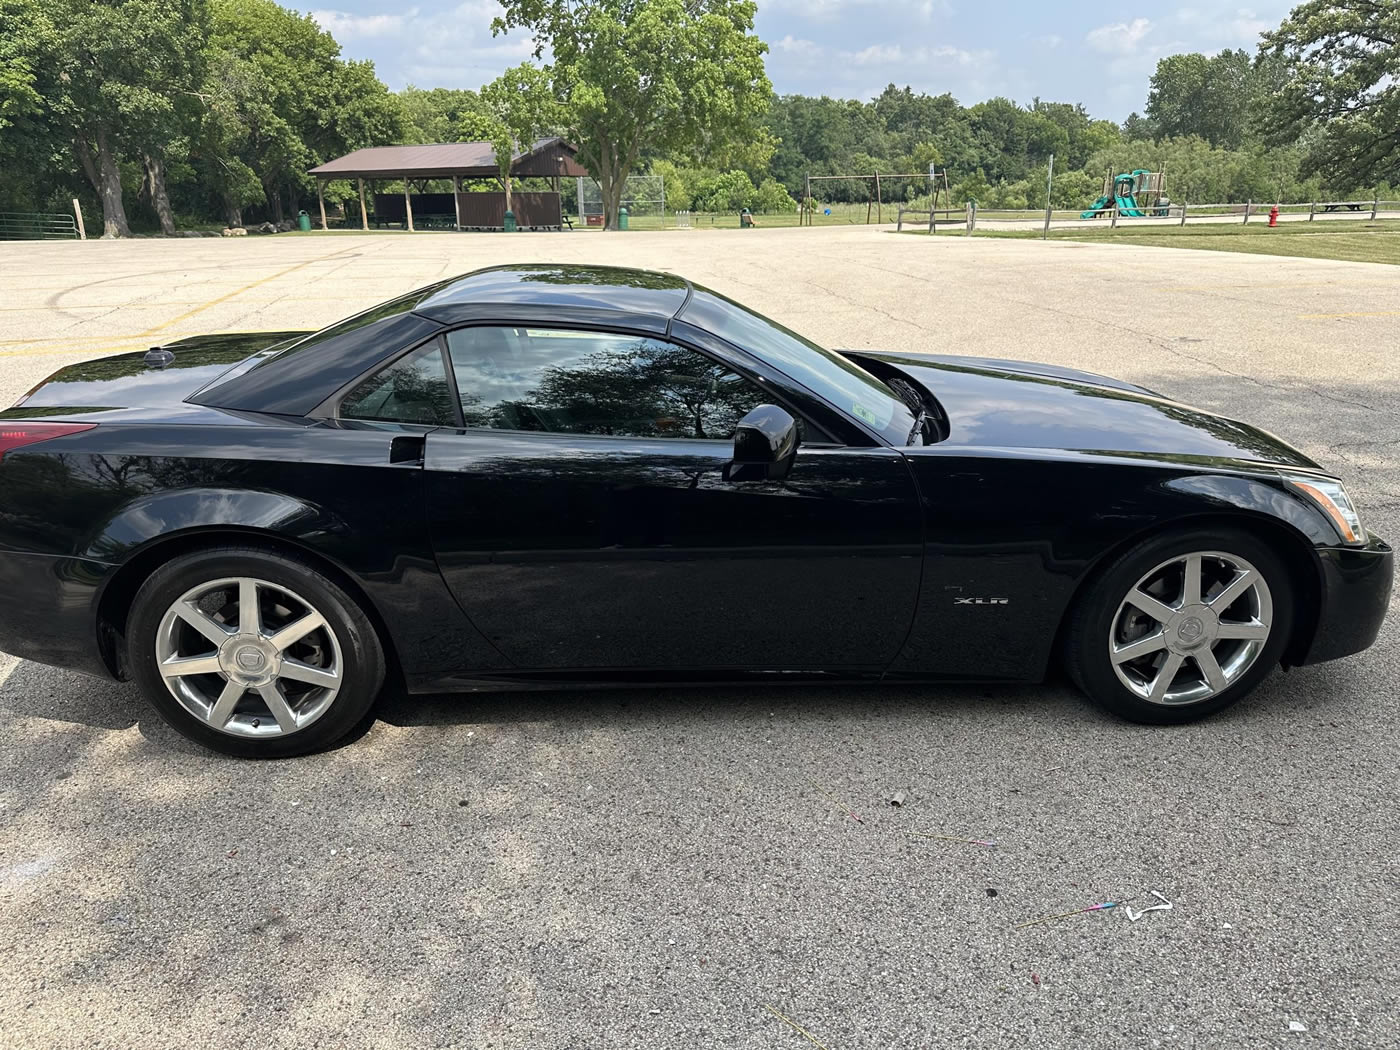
(1257, 495)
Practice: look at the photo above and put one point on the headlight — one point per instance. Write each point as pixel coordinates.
(1332, 498)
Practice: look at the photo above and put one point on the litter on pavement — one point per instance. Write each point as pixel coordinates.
(1134, 916)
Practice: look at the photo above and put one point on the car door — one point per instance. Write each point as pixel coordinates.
(583, 520)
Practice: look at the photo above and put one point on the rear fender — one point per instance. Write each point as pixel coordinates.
(162, 515)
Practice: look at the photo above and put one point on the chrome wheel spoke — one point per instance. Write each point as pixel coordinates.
(1210, 669)
(1241, 583)
(1253, 631)
(179, 666)
(1142, 647)
(302, 672)
(1191, 581)
(1159, 611)
(249, 618)
(204, 623)
(1165, 676)
(277, 704)
(294, 632)
(223, 707)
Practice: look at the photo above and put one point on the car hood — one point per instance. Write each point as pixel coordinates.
(1013, 404)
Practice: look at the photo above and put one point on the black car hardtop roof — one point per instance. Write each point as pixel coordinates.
(297, 380)
(646, 298)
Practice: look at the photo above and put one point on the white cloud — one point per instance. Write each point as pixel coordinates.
(1239, 28)
(825, 10)
(798, 48)
(1119, 38)
(346, 26)
(897, 54)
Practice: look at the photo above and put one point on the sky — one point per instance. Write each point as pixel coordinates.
(1096, 53)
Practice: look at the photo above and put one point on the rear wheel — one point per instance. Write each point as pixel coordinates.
(1182, 626)
(253, 653)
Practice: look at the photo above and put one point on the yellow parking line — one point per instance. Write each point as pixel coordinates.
(237, 291)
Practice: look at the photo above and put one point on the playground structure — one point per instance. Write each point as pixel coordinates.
(875, 201)
(1136, 194)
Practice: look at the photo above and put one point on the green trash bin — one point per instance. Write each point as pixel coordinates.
(622, 219)
(303, 222)
(510, 221)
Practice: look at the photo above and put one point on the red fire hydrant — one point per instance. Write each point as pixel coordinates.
(1273, 215)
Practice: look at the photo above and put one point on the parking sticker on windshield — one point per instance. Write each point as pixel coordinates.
(865, 414)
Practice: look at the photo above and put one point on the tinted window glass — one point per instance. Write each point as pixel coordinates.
(413, 389)
(842, 383)
(567, 382)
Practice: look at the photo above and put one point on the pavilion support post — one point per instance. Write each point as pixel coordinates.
(321, 200)
(407, 205)
(879, 200)
(457, 202)
(364, 215)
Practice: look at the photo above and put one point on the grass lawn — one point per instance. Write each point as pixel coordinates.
(1358, 241)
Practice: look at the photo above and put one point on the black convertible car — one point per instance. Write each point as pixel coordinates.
(555, 475)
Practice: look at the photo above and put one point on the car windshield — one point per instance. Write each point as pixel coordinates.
(841, 383)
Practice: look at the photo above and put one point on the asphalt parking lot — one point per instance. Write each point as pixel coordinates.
(678, 868)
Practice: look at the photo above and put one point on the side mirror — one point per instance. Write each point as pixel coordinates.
(765, 444)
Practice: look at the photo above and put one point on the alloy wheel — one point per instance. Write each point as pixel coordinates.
(1191, 628)
(248, 657)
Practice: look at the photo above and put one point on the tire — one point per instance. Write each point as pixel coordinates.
(1120, 650)
(311, 646)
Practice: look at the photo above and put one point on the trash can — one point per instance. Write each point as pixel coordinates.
(510, 221)
(303, 222)
(745, 219)
(622, 219)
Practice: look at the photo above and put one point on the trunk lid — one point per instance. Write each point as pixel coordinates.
(146, 379)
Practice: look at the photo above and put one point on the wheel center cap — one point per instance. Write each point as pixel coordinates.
(1192, 628)
(249, 660)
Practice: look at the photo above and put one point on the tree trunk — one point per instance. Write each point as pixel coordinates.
(507, 184)
(84, 154)
(612, 200)
(114, 222)
(274, 197)
(160, 199)
(233, 213)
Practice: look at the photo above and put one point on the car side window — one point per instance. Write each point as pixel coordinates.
(573, 382)
(414, 389)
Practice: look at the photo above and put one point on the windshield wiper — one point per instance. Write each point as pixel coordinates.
(918, 427)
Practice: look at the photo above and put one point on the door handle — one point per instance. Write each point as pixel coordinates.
(407, 449)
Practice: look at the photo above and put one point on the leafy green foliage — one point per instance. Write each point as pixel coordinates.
(1339, 67)
(1209, 97)
(680, 78)
(436, 115)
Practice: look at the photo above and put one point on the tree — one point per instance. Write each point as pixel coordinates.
(1339, 64)
(1138, 127)
(1210, 97)
(283, 101)
(522, 103)
(680, 77)
(28, 138)
(436, 115)
(122, 67)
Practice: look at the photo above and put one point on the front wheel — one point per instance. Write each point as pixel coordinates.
(1182, 626)
(253, 653)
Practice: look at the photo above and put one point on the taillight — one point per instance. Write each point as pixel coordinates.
(14, 434)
